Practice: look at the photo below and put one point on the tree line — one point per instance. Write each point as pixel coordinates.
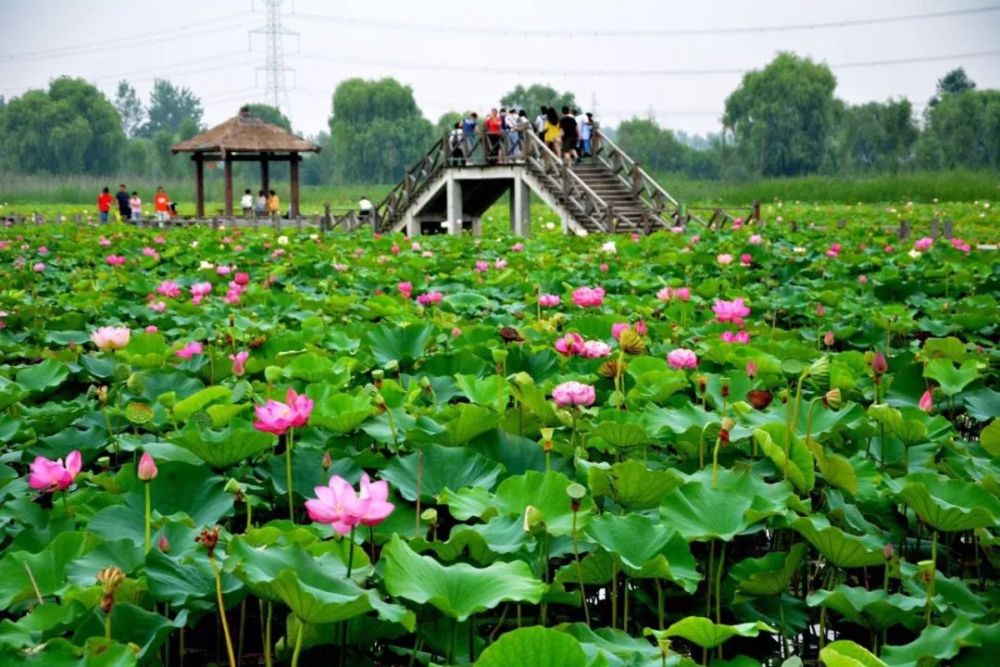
(782, 120)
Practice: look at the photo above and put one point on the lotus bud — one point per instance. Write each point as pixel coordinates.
(232, 486)
(728, 423)
(819, 373)
(430, 516)
(833, 399)
(327, 461)
(163, 544)
(724, 390)
(547, 434)
(751, 369)
(702, 383)
(104, 462)
(147, 470)
(829, 339)
(499, 356)
(879, 363)
(135, 383)
(533, 518)
(888, 551)
(272, 374)
(631, 342)
(167, 399)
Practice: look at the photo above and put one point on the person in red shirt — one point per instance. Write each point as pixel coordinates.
(104, 204)
(161, 203)
(493, 125)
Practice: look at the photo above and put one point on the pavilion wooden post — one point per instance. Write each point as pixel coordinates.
(265, 176)
(227, 163)
(293, 170)
(199, 185)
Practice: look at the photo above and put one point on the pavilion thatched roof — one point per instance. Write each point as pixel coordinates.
(245, 133)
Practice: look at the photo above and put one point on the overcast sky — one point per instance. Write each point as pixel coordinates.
(675, 60)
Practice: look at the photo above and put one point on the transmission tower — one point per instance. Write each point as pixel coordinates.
(275, 88)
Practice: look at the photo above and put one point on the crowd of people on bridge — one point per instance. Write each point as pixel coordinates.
(569, 135)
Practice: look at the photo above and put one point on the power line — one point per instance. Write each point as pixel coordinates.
(651, 32)
(161, 35)
(475, 69)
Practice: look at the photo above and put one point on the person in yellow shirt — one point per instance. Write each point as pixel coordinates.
(273, 205)
(551, 132)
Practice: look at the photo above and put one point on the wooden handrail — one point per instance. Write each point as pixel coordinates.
(649, 180)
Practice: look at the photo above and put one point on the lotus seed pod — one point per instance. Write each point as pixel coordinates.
(272, 374)
(136, 383)
(429, 515)
(138, 413)
(167, 399)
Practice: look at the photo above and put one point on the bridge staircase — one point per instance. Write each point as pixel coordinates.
(451, 187)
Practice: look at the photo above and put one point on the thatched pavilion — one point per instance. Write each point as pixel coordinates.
(245, 138)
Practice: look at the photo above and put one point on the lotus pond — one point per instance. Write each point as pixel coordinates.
(747, 447)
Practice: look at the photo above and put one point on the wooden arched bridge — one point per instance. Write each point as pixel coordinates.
(460, 177)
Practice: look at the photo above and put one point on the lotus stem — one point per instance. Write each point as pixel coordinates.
(107, 626)
(931, 580)
(420, 486)
(659, 604)
(793, 421)
(614, 593)
(579, 572)
(708, 580)
(298, 644)
(222, 611)
(289, 443)
(350, 552)
(268, 662)
(149, 516)
(715, 462)
(34, 584)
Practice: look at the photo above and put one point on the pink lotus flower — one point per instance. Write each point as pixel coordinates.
(927, 401)
(682, 358)
(588, 297)
(595, 349)
(429, 298)
(394, 249)
(725, 259)
(617, 328)
(157, 306)
(549, 300)
(159, 240)
(517, 247)
(151, 329)
(239, 362)
(923, 244)
(751, 369)
(277, 417)
(415, 246)
(456, 332)
(829, 339)
(242, 278)
(42, 250)
(110, 338)
(888, 248)
(199, 291)
(730, 311)
(573, 393)
(500, 263)
(603, 267)
(674, 294)
(641, 328)
(48, 475)
(104, 242)
(755, 239)
(863, 279)
(115, 260)
(339, 267)
(570, 344)
(737, 223)
(38, 267)
(169, 288)
(405, 289)
(482, 266)
(189, 350)
(746, 259)
(223, 270)
(151, 252)
(741, 337)
(959, 244)
(338, 505)
(147, 469)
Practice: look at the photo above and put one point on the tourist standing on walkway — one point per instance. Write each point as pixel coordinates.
(104, 204)
(516, 124)
(135, 206)
(570, 135)
(246, 203)
(540, 123)
(273, 205)
(456, 141)
(365, 209)
(493, 127)
(469, 124)
(586, 132)
(161, 204)
(595, 135)
(551, 135)
(124, 210)
(261, 204)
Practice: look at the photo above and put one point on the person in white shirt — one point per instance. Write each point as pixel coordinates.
(135, 203)
(365, 209)
(246, 203)
(540, 122)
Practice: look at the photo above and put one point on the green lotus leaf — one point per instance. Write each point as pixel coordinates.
(707, 634)
(699, 512)
(197, 402)
(935, 644)
(546, 492)
(457, 591)
(632, 484)
(493, 391)
(472, 420)
(59, 652)
(48, 567)
(770, 574)
(875, 609)
(646, 548)
(223, 448)
(845, 653)
(400, 344)
(533, 647)
(950, 505)
(801, 470)
(621, 435)
(43, 376)
(989, 438)
(952, 380)
(342, 413)
(441, 468)
(838, 547)
(482, 542)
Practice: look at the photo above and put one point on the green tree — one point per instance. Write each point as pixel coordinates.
(446, 123)
(532, 98)
(963, 130)
(376, 131)
(876, 136)
(129, 108)
(70, 128)
(782, 115)
(168, 106)
(655, 148)
(269, 114)
(954, 82)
